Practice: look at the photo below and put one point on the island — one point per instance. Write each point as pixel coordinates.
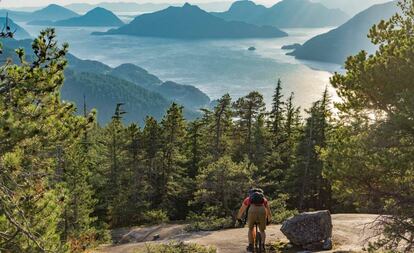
(191, 22)
(292, 46)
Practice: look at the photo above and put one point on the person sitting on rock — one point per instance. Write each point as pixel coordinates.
(258, 212)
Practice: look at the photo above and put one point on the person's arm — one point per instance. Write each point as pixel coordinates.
(241, 211)
(268, 212)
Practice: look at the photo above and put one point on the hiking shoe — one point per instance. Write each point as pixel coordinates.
(250, 248)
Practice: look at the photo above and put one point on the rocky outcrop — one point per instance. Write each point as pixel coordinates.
(311, 231)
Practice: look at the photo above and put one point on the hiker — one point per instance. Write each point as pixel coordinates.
(258, 211)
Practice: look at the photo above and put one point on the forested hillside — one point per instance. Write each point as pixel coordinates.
(66, 180)
(101, 87)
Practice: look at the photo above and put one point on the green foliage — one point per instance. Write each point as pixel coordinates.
(306, 182)
(221, 186)
(64, 180)
(280, 211)
(37, 131)
(179, 247)
(154, 217)
(248, 110)
(371, 154)
(286, 129)
(104, 91)
(206, 222)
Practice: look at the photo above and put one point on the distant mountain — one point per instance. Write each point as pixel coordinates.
(15, 15)
(137, 75)
(96, 17)
(20, 33)
(285, 14)
(52, 12)
(190, 22)
(104, 86)
(103, 92)
(186, 95)
(348, 39)
(351, 7)
(130, 7)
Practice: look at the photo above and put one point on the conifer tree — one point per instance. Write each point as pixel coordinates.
(151, 138)
(262, 145)
(282, 154)
(248, 109)
(34, 124)
(221, 185)
(371, 156)
(113, 139)
(309, 184)
(276, 114)
(133, 187)
(172, 174)
(77, 220)
(222, 121)
(196, 147)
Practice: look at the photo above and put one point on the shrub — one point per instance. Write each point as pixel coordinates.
(279, 209)
(203, 222)
(154, 217)
(177, 247)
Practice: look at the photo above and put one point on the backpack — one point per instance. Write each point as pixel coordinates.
(257, 198)
(258, 195)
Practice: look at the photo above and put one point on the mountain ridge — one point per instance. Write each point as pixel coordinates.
(348, 39)
(284, 14)
(95, 17)
(191, 22)
(52, 12)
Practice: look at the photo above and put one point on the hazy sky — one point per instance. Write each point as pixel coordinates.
(30, 3)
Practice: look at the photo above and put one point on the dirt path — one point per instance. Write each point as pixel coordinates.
(349, 234)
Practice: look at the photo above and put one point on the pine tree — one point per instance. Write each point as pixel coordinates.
(282, 154)
(172, 174)
(311, 190)
(134, 186)
(276, 114)
(196, 147)
(35, 127)
(113, 139)
(371, 156)
(221, 185)
(262, 145)
(222, 121)
(77, 218)
(152, 144)
(248, 109)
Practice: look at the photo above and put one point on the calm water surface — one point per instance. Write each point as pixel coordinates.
(214, 66)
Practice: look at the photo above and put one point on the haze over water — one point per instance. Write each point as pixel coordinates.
(214, 66)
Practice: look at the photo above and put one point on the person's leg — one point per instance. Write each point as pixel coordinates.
(250, 235)
(263, 234)
(251, 220)
(262, 223)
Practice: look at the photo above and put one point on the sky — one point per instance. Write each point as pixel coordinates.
(33, 3)
(30, 3)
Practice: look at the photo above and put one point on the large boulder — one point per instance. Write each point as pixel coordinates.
(309, 230)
